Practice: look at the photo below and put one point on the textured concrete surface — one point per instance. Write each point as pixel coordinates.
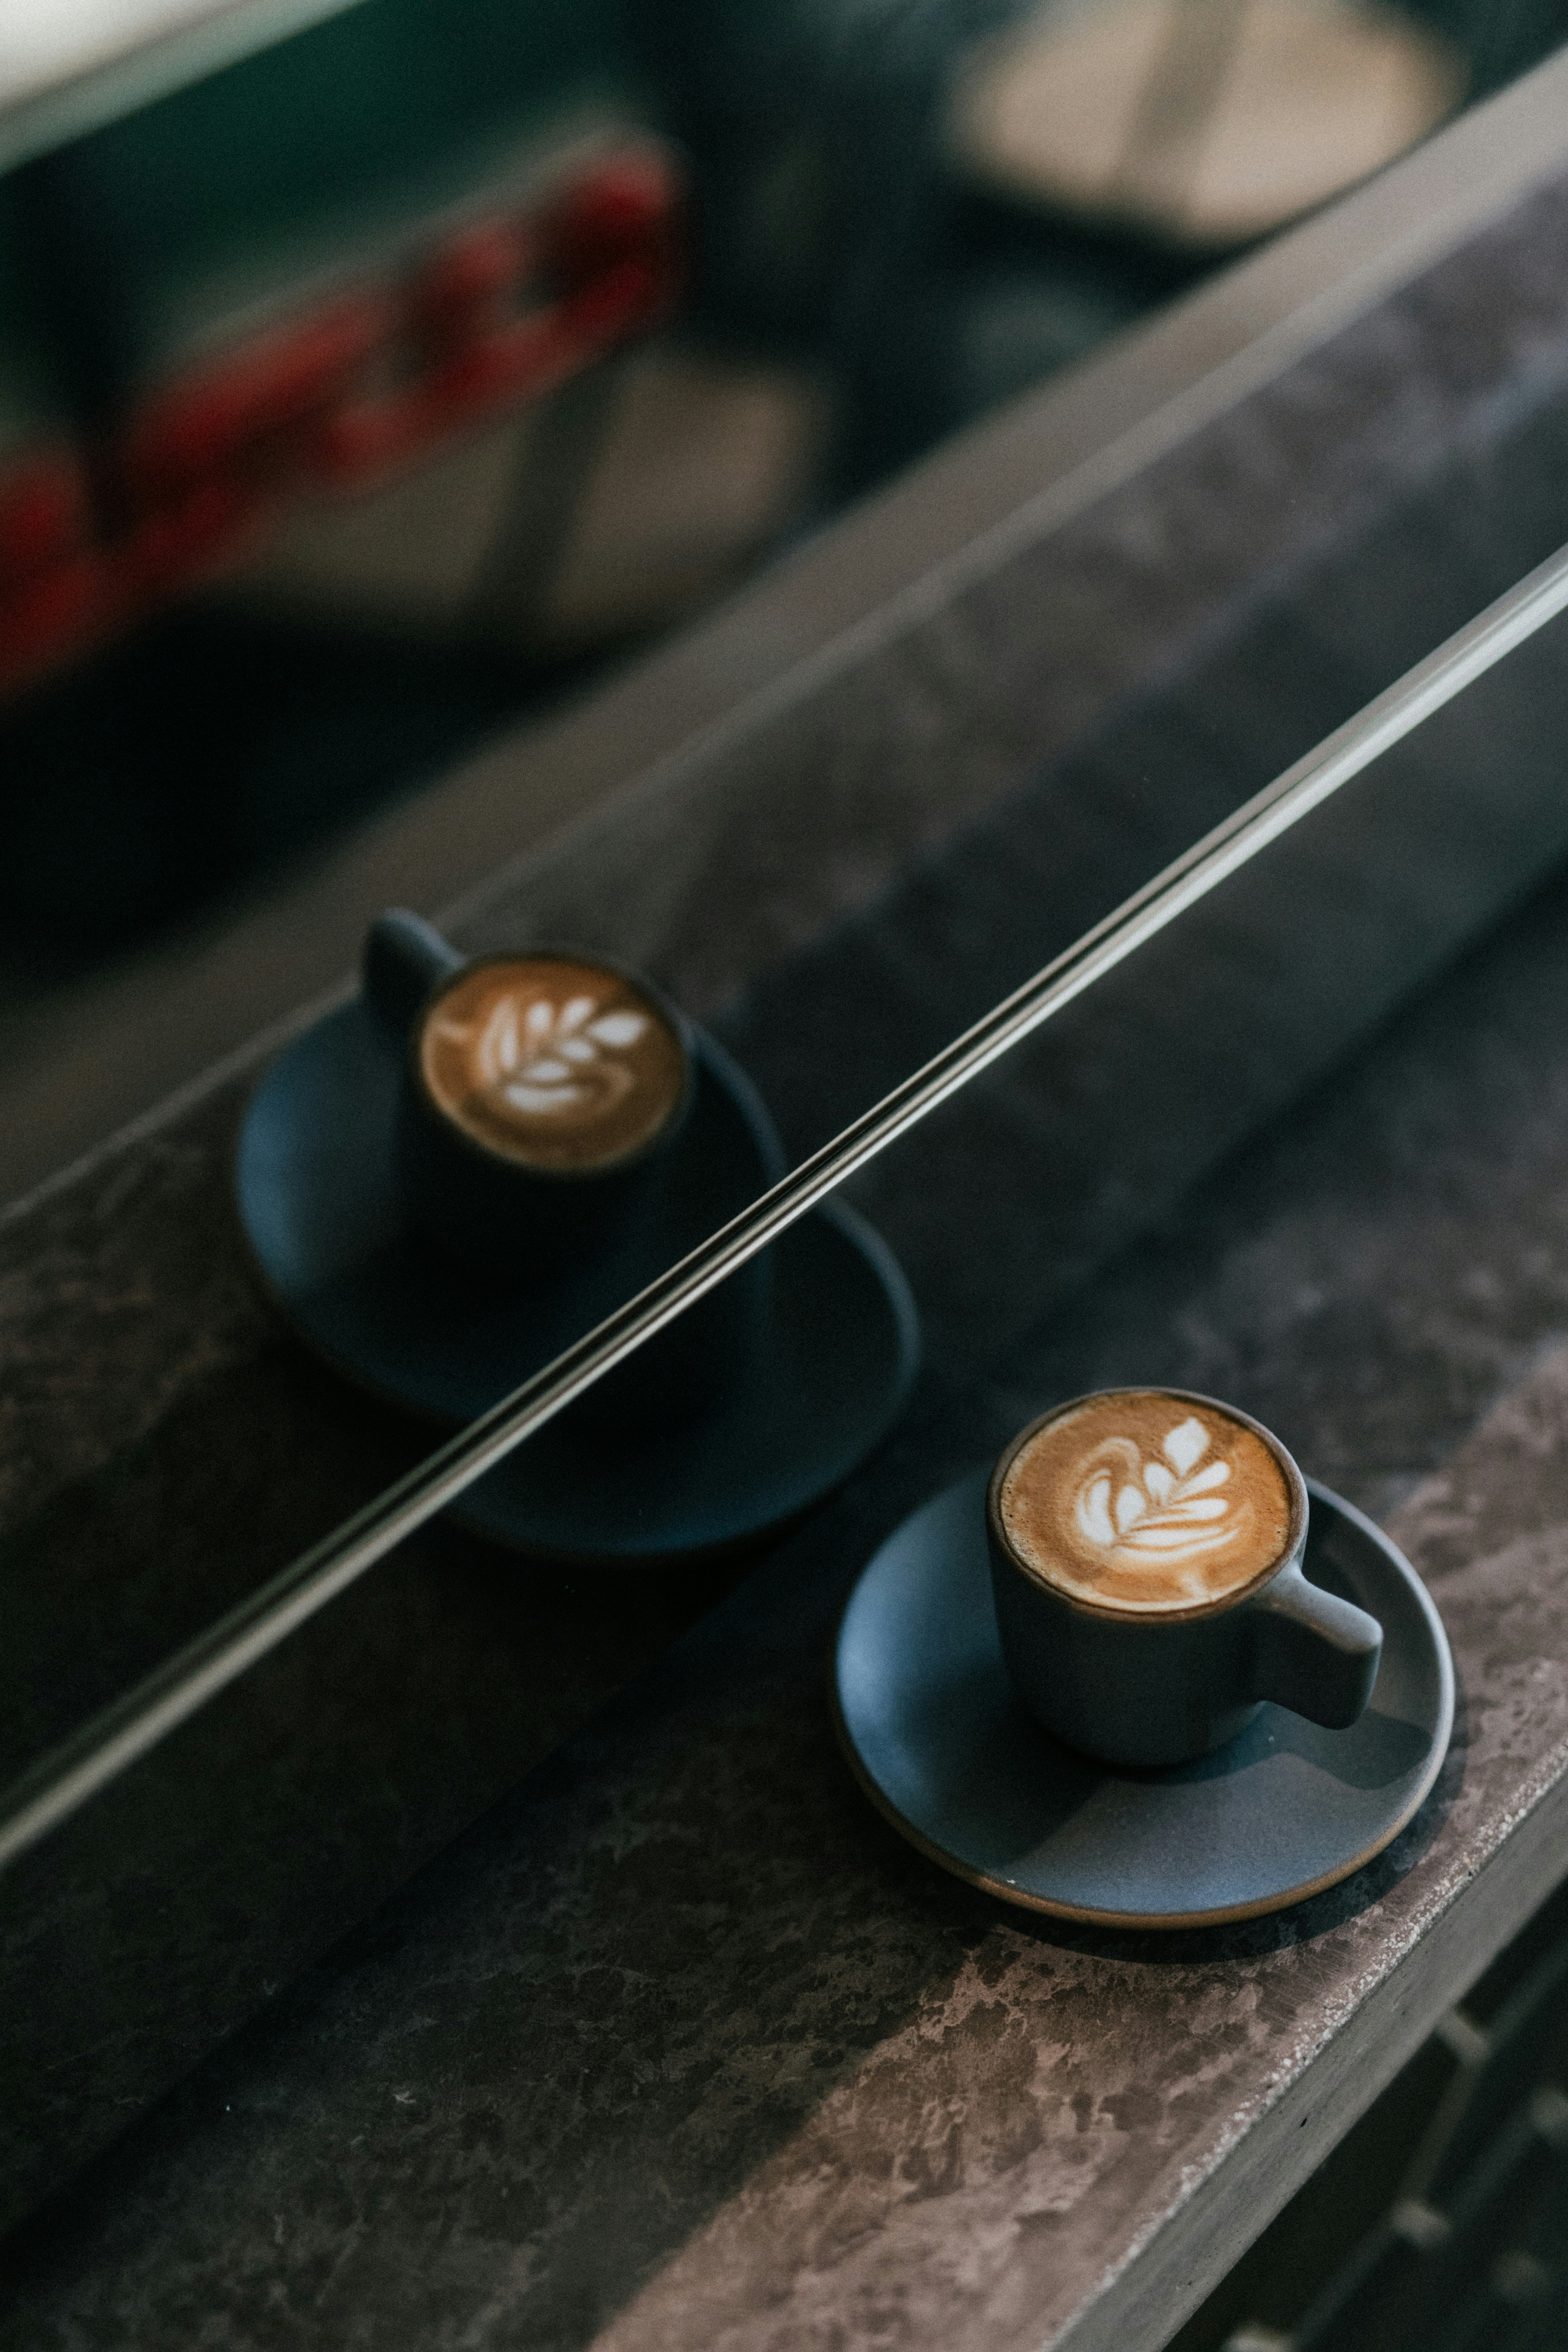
(167, 1446)
(944, 815)
(680, 2045)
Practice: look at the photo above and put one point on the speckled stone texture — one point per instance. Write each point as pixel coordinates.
(167, 1448)
(679, 2043)
(953, 795)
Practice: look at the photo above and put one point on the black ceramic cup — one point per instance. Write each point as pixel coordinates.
(605, 1229)
(477, 1196)
(1108, 1528)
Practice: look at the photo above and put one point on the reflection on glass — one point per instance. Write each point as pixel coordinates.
(1258, 901)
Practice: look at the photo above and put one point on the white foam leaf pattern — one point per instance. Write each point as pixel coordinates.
(618, 1029)
(1187, 1443)
(536, 1100)
(1213, 1475)
(498, 1046)
(1177, 1517)
(537, 1063)
(1094, 1512)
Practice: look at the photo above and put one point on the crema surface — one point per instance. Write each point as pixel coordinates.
(1142, 1501)
(560, 1066)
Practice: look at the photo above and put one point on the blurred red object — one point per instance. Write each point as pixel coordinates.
(45, 515)
(248, 411)
(341, 399)
(605, 255)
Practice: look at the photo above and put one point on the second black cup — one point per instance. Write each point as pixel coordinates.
(545, 1100)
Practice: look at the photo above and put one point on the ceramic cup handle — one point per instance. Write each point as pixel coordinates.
(403, 957)
(1312, 1652)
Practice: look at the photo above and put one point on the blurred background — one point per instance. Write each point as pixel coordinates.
(372, 376)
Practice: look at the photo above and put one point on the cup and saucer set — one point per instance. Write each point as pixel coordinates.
(448, 1179)
(1141, 1674)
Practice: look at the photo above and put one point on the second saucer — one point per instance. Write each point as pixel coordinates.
(833, 1343)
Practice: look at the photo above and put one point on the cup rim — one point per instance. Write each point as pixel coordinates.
(1150, 1619)
(545, 951)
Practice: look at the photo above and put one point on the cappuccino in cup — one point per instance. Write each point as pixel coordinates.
(1140, 1500)
(560, 1066)
(1146, 1565)
(549, 1136)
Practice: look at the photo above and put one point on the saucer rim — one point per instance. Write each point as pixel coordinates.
(1227, 1915)
(709, 1058)
(861, 1235)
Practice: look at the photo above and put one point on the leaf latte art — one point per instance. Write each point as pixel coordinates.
(1146, 1501)
(557, 1064)
(1168, 1506)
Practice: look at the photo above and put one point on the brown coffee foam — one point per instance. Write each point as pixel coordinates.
(559, 1065)
(1145, 1501)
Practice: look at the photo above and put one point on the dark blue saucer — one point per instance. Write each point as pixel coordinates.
(322, 1213)
(941, 1743)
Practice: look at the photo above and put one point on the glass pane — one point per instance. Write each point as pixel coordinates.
(274, 1816)
(833, 879)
